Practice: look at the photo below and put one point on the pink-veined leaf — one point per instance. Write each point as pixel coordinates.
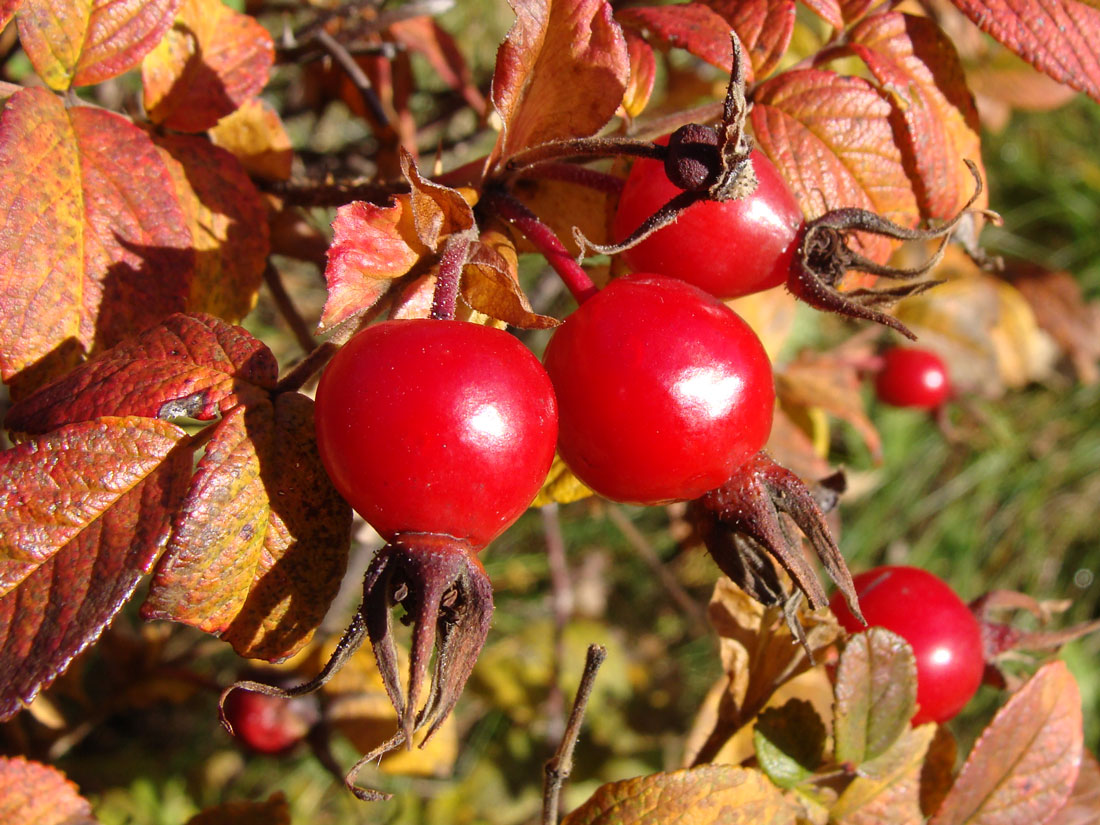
(260, 545)
(66, 601)
(693, 27)
(210, 62)
(1058, 37)
(918, 66)
(560, 73)
(831, 139)
(80, 42)
(93, 243)
(764, 26)
(35, 794)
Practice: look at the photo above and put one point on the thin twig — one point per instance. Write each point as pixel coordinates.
(561, 603)
(285, 304)
(561, 763)
(306, 368)
(358, 77)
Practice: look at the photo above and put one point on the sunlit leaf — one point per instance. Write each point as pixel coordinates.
(764, 26)
(254, 134)
(888, 789)
(228, 223)
(65, 603)
(643, 73)
(437, 211)
(7, 12)
(1024, 766)
(560, 73)
(273, 811)
(80, 42)
(837, 12)
(490, 283)
(831, 138)
(35, 794)
(560, 486)
(709, 795)
(1058, 37)
(918, 66)
(93, 243)
(259, 547)
(876, 695)
(690, 26)
(211, 61)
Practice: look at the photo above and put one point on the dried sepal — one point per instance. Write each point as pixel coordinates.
(824, 257)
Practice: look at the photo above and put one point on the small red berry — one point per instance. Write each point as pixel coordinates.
(268, 724)
(945, 637)
(912, 378)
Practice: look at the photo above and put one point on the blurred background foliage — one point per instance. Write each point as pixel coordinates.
(1006, 498)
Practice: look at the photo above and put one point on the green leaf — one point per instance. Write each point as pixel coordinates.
(789, 741)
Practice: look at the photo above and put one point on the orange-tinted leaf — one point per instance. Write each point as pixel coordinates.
(938, 773)
(255, 135)
(709, 795)
(887, 789)
(690, 26)
(426, 36)
(260, 544)
(371, 245)
(1058, 37)
(210, 62)
(54, 486)
(831, 138)
(563, 205)
(80, 42)
(437, 210)
(193, 366)
(789, 741)
(643, 73)
(1024, 766)
(876, 695)
(93, 243)
(1083, 805)
(837, 12)
(35, 794)
(228, 223)
(560, 73)
(7, 11)
(63, 605)
(490, 283)
(273, 811)
(918, 66)
(764, 26)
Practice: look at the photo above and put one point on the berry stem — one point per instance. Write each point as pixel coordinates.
(599, 147)
(544, 239)
(571, 173)
(451, 261)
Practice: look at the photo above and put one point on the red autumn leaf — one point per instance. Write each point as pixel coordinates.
(64, 604)
(690, 26)
(838, 12)
(917, 64)
(35, 794)
(371, 245)
(560, 73)
(93, 243)
(1023, 767)
(193, 366)
(831, 138)
(7, 11)
(80, 42)
(764, 26)
(212, 61)
(260, 545)
(228, 223)
(425, 36)
(1058, 37)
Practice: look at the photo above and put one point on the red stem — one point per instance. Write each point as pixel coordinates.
(545, 241)
(445, 297)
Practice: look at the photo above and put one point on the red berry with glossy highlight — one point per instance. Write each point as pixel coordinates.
(912, 377)
(945, 637)
(441, 427)
(728, 248)
(663, 391)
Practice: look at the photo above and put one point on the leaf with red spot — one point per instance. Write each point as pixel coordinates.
(916, 64)
(1024, 766)
(371, 246)
(193, 366)
(35, 794)
(212, 61)
(832, 140)
(1058, 37)
(228, 223)
(80, 42)
(93, 243)
(260, 545)
(764, 26)
(88, 538)
(690, 26)
(560, 73)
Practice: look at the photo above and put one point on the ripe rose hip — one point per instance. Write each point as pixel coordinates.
(912, 377)
(945, 637)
